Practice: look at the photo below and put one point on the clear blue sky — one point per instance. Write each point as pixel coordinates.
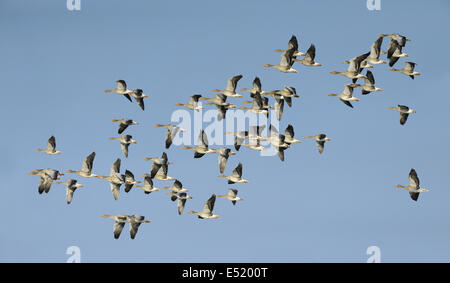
(331, 207)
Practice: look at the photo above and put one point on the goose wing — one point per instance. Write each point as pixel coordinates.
(115, 168)
(202, 139)
(51, 144)
(117, 228)
(370, 79)
(209, 205)
(375, 49)
(414, 179)
(181, 203)
(86, 165)
(279, 106)
(289, 131)
(257, 84)
(115, 189)
(310, 54)
(237, 172)
(232, 83)
(409, 66)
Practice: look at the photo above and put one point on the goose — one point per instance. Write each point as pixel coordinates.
(236, 177)
(119, 222)
(231, 195)
(177, 187)
(308, 60)
(277, 141)
(125, 141)
(139, 97)
(86, 167)
(219, 100)
(375, 51)
(395, 52)
(286, 62)
(289, 135)
(157, 163)
(407, 70)
(47, 177)
(241, 136)
(404, 112)
(51, 147)
(202, 147)
(121, 89)
(265, 103)
(369, 84)
(354, 68)
(256, 87)
(193, 103)
(221, 111)
(347, 95)
(255, 145)
(130, 181)
(223, 155)
(207, 212)
(148, 186)
(413, 188)
(123, 124)
(182, 197)
(71, 186)
(320, 139)
(287, 93)
(397, 37)
(293, 43)
(258, 105)
(231, 87)
(161, 174)
(279, 106)
(172, 131)
(136, 221)
(115, 178)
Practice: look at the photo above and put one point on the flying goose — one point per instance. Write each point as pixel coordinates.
(287, 93)
(289, 135)
(177, 187)
(255, 145)
(161, 173)
(293, 44)
(71, 186)
(241, 136)
(202, 147)
(157, 163)
(231, 195)
(320, 139)
(193, 103)
(218, 100)
(400, 39)
(207, 212)
(256, 87)
(172, 131)
(279, 106)
(130, 181)
(125, 141)
(236, 177)
(407, 70)
(86, 167)
(347, 95)
(115, 178)
(354, 68)
(135, 221)
(414, 185)
(119, 222)
(231, 87)
(308, 60)
(47, 177)
(395, 52)
(139, 97)
(182, 197)
(123, 124)
(148, 186)
(223, 155)
(121, 89)
(369, 84)
(277, 141)
(286, 62)
(51, 147)
(258, 105)
(404, 112)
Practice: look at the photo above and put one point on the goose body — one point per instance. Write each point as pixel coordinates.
(236, 177)
(320, 140)
(347, 95)
(286, 62)
(404, 112)
(148, 186)
(202, 148)
(407, 70)
(71, 186)
(354, 68)
(51, 147)
(125, 141)
(193, 103)
(413, 188)
(123, 124)
(119, 223)
(47, 177)
(207, 211)
(121, 89)
(86, 167)
(369, 84)
(231, 87)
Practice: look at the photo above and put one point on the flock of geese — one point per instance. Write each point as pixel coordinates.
(254, 135)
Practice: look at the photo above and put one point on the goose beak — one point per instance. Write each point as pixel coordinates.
(79, 185)
(133, 141)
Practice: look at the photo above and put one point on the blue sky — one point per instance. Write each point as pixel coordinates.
(319, 208)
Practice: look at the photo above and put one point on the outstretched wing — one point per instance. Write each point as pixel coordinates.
(232, 83)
